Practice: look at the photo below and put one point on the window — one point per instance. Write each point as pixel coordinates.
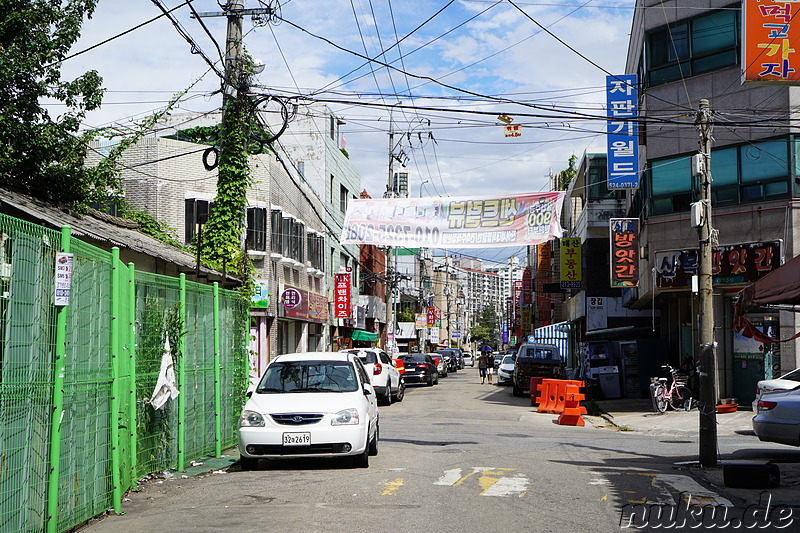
(692, 47)
(276, 222)
(316, 249)
(297, 236)
(196, 213)
(598, 180)
(746, 173)
(343, 194)
(301, 169)
(256, 229)
(286, 235)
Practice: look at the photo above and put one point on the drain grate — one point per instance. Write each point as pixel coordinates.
(677, 441)
(514, 435)
(427, 442)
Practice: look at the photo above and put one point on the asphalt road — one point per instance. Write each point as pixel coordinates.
(459, 456)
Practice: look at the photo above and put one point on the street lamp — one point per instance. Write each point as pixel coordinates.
(420, 187)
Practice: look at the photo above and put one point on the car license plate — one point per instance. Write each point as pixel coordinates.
(296, 439)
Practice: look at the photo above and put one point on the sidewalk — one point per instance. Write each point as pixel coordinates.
(638, 415)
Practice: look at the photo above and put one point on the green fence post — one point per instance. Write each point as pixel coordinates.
(132, 360)
(181, 381)
(116, 482)
(217, 378)
(57, 413)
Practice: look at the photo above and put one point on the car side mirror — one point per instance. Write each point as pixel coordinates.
(367, 388)
(249, 394)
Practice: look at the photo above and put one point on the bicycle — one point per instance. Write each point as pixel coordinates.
(677, 395)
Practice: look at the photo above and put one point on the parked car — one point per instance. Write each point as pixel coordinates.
(420, 368)
(313, 404)
(787, 382)
(505, 372)
(469, 360)
(453, 357)
(441, 364)
(536, 360)
(778, 417)
(384, 374)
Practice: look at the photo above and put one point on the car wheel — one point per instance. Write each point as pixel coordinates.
(362, 460)
(437, 381)
(401, 392)
(430, 382)
(386, 399)
(248, 463)
(517, 391)
(373, 444)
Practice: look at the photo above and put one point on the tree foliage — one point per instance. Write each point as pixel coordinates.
(568, 174)
(486, 331)
(40, 153)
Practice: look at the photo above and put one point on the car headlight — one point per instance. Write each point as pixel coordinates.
(346, 417)
(251, 419)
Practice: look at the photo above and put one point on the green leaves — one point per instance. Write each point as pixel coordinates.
(42, 154)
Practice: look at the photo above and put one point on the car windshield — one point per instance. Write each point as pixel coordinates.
(415, 358)
(308, 376)
(507, 360)
(538, 353)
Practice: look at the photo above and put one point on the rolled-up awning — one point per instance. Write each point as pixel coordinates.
(361, 335)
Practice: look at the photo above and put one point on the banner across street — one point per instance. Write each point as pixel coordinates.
(455, 222)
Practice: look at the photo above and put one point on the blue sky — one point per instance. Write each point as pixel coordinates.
(483, 47)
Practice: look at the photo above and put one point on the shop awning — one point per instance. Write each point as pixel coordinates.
(366, 336)
(779, 287)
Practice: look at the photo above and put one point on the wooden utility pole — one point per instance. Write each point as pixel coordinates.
(708, 372)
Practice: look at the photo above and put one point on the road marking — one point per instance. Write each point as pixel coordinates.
(688, 486)
(449, 478)
(492, 481)
(507, 486)
(390, 487)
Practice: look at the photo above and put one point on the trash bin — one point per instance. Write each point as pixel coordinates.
(609, 381)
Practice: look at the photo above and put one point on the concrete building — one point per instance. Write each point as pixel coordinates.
(286, 236)
(682, 52)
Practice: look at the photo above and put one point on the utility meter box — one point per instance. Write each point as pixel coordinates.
(698, 164)
(697, 217)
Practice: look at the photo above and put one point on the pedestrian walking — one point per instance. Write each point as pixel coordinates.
(486, 364)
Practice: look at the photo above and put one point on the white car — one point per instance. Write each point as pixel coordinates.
(505, 372)
(313, 404)
(778, 417)
(787, 382)
(468, 359)
(383, 373)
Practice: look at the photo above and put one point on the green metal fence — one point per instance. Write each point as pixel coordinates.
(76, 425)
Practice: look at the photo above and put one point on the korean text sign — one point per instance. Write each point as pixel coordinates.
(624, 252)
(622, 105)
(732, 263)
(570, 256)
(341, 295)
(770, 40)
(461, 222)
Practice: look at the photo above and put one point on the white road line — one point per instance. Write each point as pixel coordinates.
(449, 478)
(508, 486)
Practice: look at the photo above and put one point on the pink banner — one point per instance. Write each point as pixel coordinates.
(466, 222)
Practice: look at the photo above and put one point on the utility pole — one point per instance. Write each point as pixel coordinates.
(708, 372)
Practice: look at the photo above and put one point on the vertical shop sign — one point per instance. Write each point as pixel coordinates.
(431, 316)
(624, 252)
(769, 43)
(570, 264)
(623, 143)
(341, 294)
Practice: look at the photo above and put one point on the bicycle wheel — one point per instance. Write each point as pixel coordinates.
(659, 398)
(681, 398)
